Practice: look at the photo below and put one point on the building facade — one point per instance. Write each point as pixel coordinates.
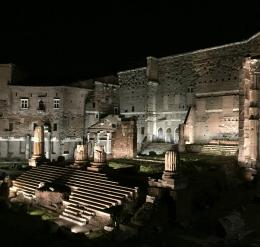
(212, 93)
(206, 95)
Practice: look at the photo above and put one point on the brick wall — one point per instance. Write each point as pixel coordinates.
(124, 140)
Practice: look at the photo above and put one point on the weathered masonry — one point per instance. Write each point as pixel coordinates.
(212, 94)
(202, 97)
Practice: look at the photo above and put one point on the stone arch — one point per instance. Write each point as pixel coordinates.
(176, 134)
(160, 134)
(168, 135)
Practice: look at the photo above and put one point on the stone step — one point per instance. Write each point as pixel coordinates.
(73, 220)
(73, 178)
(34, 184)
(49, 167)
(24, 186)
(95, 195)
(78, 213)
(48, 178)
(89, 206)
(75, 217)
(107, 202)
(62, 176)
(111, 194)
(84, 190)
(74, 172)
(26, 192)
(158, 148)
(72, 207)
(219, 149)
(94, 199)
(90, 193)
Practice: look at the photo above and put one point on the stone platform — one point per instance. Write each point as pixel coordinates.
(92, 193)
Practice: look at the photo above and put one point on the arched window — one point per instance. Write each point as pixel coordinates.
(176, 135)
(168, 137)
(41, 106)
(160, 134)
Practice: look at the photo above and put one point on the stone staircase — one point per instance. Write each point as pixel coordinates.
(92, 193)
(157, 147)
(226, 150)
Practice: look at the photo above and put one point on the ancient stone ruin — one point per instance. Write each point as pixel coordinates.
(81, 156)
(38, 147)
(100, 159)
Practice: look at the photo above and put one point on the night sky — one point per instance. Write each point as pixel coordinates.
(70, 42)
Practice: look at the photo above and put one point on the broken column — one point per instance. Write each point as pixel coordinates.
(171, 164)
(100, 160)
(81, 156)
(38, 147)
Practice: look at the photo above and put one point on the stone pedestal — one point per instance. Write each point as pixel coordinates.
(170, 178)
(100, 161)
(81, 156)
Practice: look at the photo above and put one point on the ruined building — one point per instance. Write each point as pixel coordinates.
(200, 97)
(212, 94)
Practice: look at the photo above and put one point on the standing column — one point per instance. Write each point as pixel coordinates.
(151, 109)
(181, 144)
(88, 137)
(38, 147)
(108, 143)
(47, 143)
(27, 146)
(38, 142)
(253, 124)
(98, 134)
(100, 159)
(171, 165)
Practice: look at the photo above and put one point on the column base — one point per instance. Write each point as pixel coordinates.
(36, 161)
(80, 164)
(170, 180)
(98, 167)
(168, 176)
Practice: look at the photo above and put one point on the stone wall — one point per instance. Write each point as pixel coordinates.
(104, 100)
(124, 140)
(133, 87)
(207, 79)
(65, 122)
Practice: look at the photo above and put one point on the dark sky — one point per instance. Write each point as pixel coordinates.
(69, 42)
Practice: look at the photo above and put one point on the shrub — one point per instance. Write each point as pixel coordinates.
(152, 153)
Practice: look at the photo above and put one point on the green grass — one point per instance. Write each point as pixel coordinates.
(43, 213)
(36, 212)
(95, 234)
(117, 165)
(48, 217)
(151, 168)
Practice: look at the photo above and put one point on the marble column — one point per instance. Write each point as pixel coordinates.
(81, 156)
(181, 144)
(171, 165)
(38, 147)
(98, 134)
(27, 147)
(108, 144)
(38, 142)
(48, 145)
(100, 159)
